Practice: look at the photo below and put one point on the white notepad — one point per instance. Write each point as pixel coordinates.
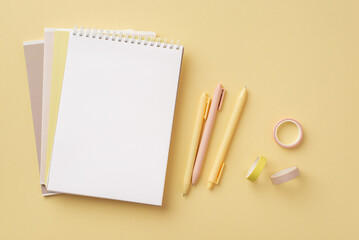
(115, 118)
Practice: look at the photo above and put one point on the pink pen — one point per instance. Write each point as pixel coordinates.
(215, 106)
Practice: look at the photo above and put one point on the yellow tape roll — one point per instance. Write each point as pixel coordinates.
(256, 168)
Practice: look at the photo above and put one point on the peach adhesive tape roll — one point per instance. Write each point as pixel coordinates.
(299, 137)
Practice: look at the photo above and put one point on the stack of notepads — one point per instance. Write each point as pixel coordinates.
(102, 105)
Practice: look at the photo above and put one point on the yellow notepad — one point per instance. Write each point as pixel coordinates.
(58, 69)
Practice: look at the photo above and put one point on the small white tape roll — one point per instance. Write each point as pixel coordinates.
(285, 175)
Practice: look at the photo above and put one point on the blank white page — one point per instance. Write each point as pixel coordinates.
(115, 119)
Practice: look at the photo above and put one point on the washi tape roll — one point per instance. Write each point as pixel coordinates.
(256, 168)
(285, 175)
(300, 133)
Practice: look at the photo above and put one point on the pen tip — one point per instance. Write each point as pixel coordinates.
(184, 195)
(245, 86)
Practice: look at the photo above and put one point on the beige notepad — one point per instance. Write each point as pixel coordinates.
(34, 56)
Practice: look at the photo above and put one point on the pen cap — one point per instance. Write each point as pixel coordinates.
(221, 99)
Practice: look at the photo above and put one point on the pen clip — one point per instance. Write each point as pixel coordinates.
(221, 99)
(206, 109)
(220, 173)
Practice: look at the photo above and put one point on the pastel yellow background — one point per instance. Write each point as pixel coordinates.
(299, 59)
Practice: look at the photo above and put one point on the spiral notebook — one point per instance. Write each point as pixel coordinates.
(115, 117)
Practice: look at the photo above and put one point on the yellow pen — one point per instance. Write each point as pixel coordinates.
(202, 113)
(217, 168)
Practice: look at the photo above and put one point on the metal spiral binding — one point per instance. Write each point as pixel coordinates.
(125, 37)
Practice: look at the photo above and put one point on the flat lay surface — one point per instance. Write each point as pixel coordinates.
(299, 60)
